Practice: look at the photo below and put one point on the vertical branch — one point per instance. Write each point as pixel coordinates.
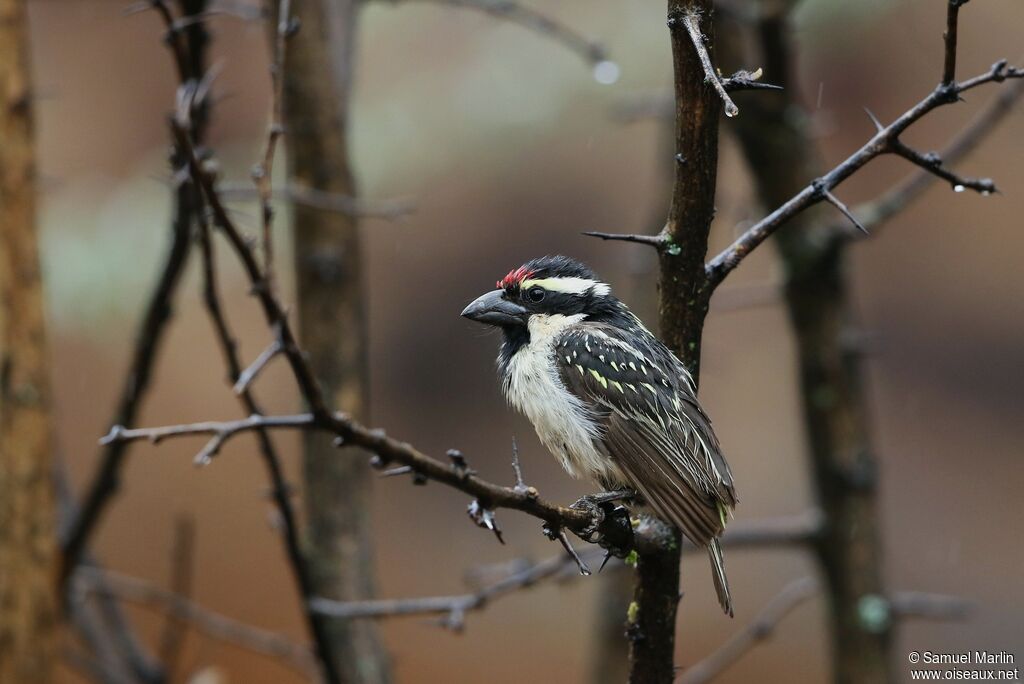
(332, 321)
(189, 51)
(28, 558)
(279, 489)
(684, 295)
(781, 155)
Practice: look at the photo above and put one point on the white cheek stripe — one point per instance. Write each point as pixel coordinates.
(567, 285)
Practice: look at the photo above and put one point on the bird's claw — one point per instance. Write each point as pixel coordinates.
(610, 527)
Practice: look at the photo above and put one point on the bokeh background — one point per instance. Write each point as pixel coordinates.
(510, 148)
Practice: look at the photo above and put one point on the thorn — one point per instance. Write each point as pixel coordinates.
(400, 470)
(835, 202)
(607, 557)
(874, 119)
(562, 537)
(484, 517)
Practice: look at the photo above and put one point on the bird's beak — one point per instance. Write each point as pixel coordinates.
(493, 309)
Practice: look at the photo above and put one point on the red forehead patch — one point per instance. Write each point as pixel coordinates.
(514, 278)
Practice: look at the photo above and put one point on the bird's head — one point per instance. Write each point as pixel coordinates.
(547, 286)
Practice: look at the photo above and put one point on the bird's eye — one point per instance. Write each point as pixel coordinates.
(536, 294)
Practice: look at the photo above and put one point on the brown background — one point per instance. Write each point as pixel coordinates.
(509, 148)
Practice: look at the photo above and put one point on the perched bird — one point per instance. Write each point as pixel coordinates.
(609, 400)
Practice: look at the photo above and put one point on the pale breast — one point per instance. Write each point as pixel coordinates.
(563, 423)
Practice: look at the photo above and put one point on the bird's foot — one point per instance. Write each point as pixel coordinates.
(610, 527)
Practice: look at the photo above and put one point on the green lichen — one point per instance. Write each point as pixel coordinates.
(632, 559)
(633, 612)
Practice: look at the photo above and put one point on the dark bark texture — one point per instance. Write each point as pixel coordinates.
(28, 552)
(332, 324)
(683, 305)
(781, 154)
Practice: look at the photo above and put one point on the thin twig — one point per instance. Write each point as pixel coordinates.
(691, 21)
(762, 627)
(134, 590)
(924, 606)
(453, 608)
(657, 241)
(590, 50)
(885, 141)
(246, 377)
(261, 173)
(279, 489)
(932, 163)
(385, 209)
(182, 571)
(876, 212)
(747, 80)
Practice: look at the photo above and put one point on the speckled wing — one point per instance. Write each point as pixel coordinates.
(652, 426)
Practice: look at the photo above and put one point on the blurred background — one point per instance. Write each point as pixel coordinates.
(510, 147)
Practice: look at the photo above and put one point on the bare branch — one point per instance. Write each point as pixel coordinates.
(923, 606)
(388, 210)
(762, 627)
(279, 490)
(261, 173)
(657, 241)
(452, 608)
(692, 23)
(88, 580)
(952, 22)
(590, 50)
(932, 163)
(885, 141)
(376, 441)
(246, 377)
(747, 80)
(880, 210)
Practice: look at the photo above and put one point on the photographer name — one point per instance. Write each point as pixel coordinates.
(971, 657)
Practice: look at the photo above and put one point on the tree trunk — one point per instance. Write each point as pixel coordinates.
(782, 157)
(28, 551)
(683, 306)
(332, 321)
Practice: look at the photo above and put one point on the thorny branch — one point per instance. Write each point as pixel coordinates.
(876, 212)
(885, 141)
(691, 21)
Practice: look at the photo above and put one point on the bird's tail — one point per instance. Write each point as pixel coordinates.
(718, 573)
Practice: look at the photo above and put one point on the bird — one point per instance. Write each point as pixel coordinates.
(610, 401)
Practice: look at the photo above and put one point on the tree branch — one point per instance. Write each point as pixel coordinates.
(691, 21)
(388, 450)
(884, 141)
(592, 51)
(453, 609)
(761, 628)
(385, 209)
(876, 212)
(92, 581)
(188, 48)
(261, 173)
